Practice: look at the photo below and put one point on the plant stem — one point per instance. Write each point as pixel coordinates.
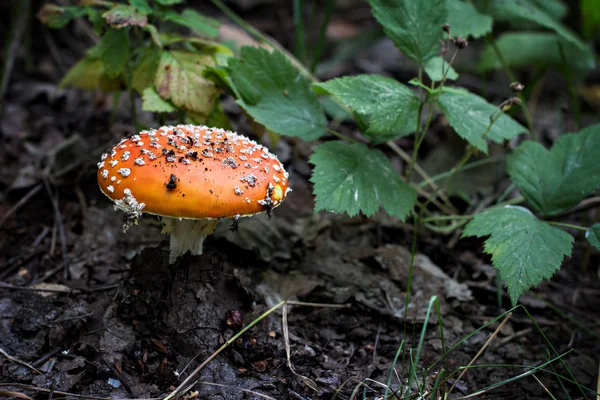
(472, 165)
(342, 136)
(300, 39)
(569, 226)
(512, 77)
(322, 32)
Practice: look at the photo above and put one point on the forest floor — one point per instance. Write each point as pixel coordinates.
(89, 310)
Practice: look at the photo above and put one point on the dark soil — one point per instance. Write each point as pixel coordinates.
(100, 313)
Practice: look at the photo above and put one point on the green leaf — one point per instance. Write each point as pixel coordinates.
(151, 29)
(391, 106)
(590, 13)
(527, 10)
(88, 74)
(352, 178)
(145, 70)
(524, 249)
(195, 21)
(555, 8)
(466, 21)
(169, 2)
(218, 118)
(151, 101)
(142, 6)
(593, 236)
(415, 27)
(179, 79)
(113, 50)
(275, 94)
(470, 114)
(521, 49)
(433, 68)
(556, 180)
(121, 16)
(57, 17)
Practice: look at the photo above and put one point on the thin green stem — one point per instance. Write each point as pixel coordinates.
(322, 32)
(569, 226)
(512, 77)
(472, 165)
(300, 38)
(342, 136)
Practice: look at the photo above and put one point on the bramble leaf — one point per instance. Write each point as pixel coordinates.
(142, 6)
(415, 27)
(113, 49)
(88, 74)
(275, 94)
(179, 79)
(195, 21)
(57, 17)
(391, 106)
(169, 2)
(521, 49)
(524, 249)
(556, 180)
(352, 178)
(121, 16)
(470, 114)
(433, 68)
(527, 10)
(466, 21)
(145, 71)
(593, 236)
(151, 101)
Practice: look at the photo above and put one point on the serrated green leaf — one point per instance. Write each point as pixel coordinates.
(179, 79)
(113, 51)
(593, 236)
(169, 2)
(527, 10)
(88, 74)
(520, 49)
(433, 68)
(142, 6)
(556, 180)
(144, 72)
(151, 101)
(195, 21)
(352, 178)
(524, 249)
(555, 8)
(470, 114)
(151, 29)
(391, 106)
(415, 27)
(121, 16)
(465, 20)
(275, 94)
(57, 17)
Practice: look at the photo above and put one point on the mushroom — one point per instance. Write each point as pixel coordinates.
(191, 176)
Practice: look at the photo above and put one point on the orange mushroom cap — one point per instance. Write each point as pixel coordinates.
(195, 172)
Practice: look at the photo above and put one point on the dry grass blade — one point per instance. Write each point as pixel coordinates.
(55, 392)
(480, 352)
(544, 386)
(286, 337)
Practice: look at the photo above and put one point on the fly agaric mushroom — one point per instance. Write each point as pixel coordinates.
(191, 176)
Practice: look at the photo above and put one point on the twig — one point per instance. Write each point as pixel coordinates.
(20, 203)
(43, 390)
(16, 360)
(264, 396)
(18, 24)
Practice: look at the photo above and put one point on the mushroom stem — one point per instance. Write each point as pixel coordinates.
(186, 234)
